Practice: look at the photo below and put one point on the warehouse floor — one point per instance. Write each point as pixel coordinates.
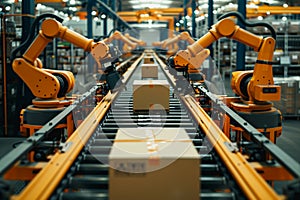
(290, 138)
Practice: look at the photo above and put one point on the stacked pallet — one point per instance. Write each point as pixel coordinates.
(289, 105)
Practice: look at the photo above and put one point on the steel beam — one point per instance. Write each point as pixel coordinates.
(241, 48)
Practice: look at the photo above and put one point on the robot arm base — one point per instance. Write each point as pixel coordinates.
(267, 92)
(44, 83)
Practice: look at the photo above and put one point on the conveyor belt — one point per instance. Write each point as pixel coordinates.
(78, 168)
(88, 178)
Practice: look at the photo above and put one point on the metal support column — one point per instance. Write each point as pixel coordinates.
(119, 9)
(24, 95)
(90, 18)
(3, 114)
(105, 21)
(210, 23)
(185, 14)
(114, 8)
(241, 48)
(27, 8)
(193, 18)
(210, 47)
(89, 10)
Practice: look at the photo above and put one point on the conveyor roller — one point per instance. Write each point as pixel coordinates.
(91, 177)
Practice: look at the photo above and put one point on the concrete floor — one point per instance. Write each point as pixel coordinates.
(289, 141)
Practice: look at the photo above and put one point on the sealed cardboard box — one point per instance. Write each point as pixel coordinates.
(154, 170)
(149, 71)
(149, 51)
(289, 102)
(151, 95)
(156, 133)
(148, 59)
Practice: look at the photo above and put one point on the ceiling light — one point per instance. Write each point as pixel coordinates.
(204, 6)
(144, 15)
(134, 1)
(73, 9)
(153, 1)
(149, 5)
(76, 18)
(7, 8)
(150, 23)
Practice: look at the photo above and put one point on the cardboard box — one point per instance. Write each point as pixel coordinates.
(157, 133)
(149, 71)
(148, 51)
(290, 93)
(153, 169)
(151, 95)
(294, 27)
(148, 60)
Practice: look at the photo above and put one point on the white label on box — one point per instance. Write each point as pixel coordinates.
(290, 84)
(131, 167)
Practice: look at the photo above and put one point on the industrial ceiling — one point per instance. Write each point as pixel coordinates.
(134, 5)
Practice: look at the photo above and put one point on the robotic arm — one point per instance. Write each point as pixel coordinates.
(47, 83)
(119, 36)
(137, 41)
(157, 44)
(253, 85)
(172, 47)
(182, 36)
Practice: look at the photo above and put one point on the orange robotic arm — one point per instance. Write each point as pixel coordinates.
(46, 83)
(172, 47)
(182, 36)
(137, 41)
(260, 86)
(119, 36)
(157, 44)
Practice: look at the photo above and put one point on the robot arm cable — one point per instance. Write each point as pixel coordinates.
(30, 37)
(246, 23)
